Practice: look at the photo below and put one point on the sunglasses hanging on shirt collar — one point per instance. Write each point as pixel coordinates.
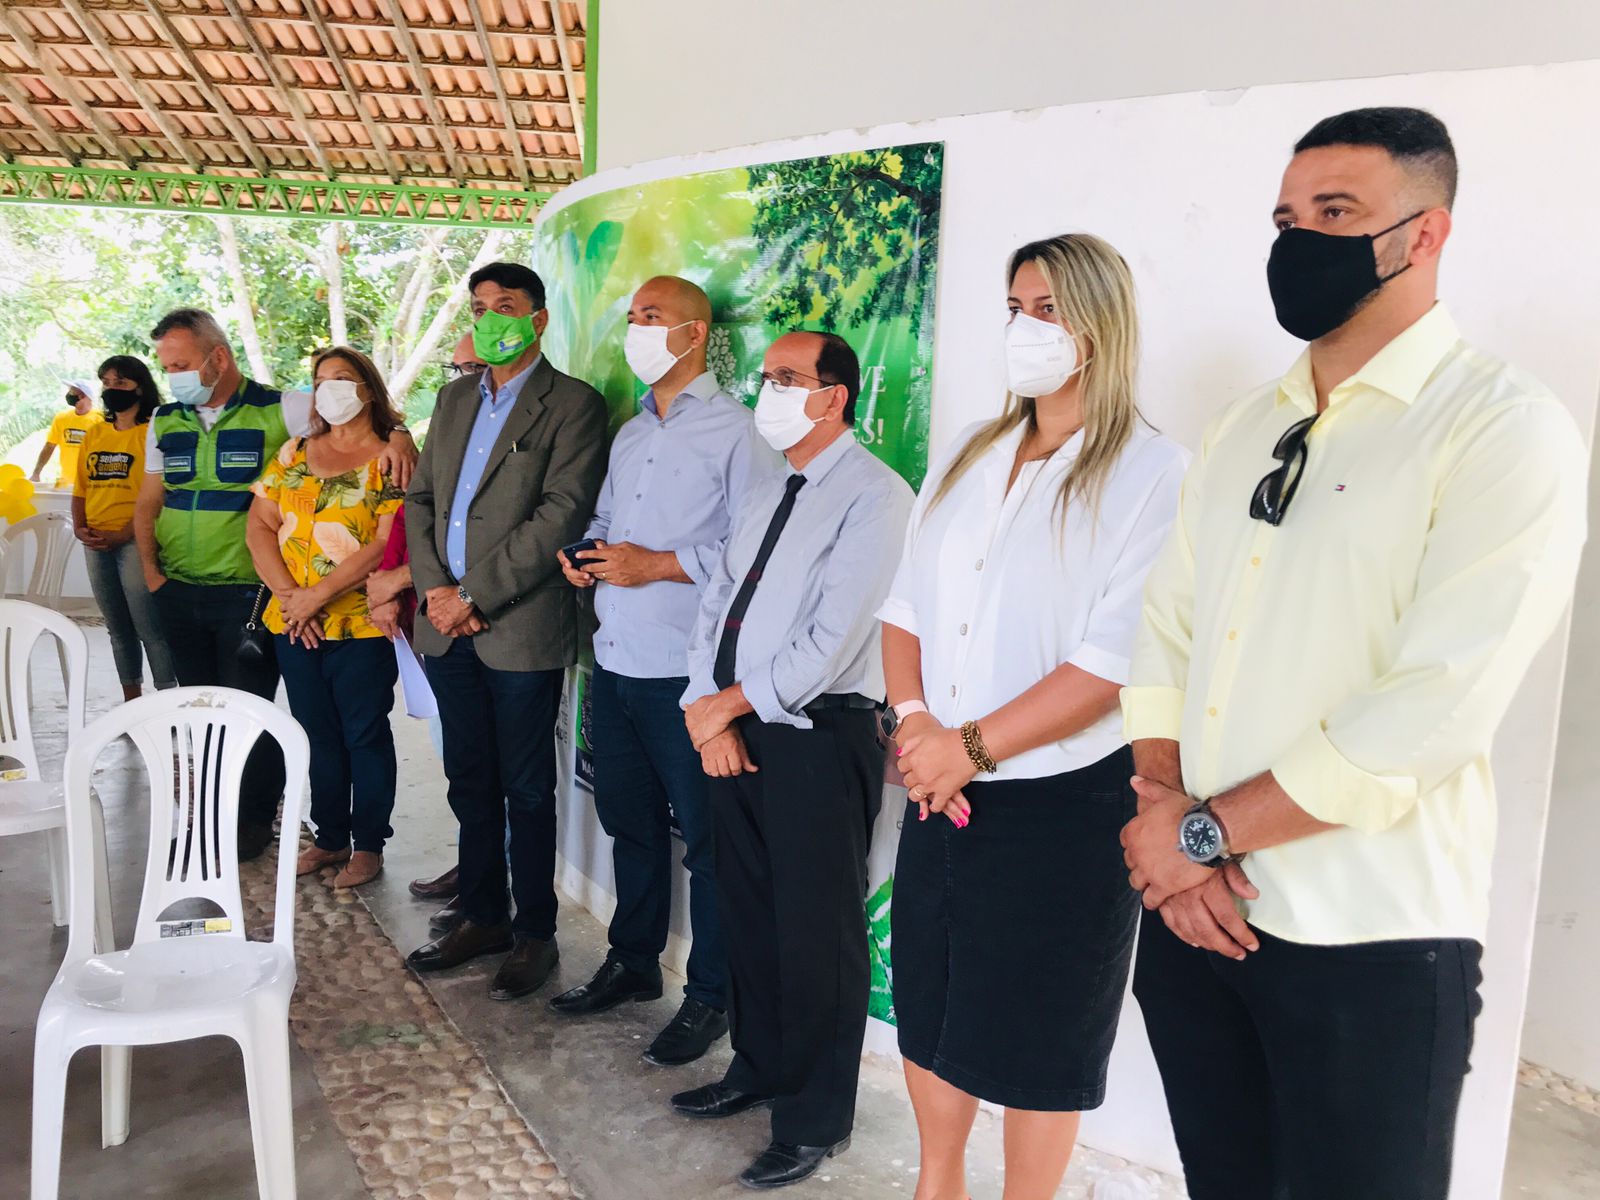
(1272, 495)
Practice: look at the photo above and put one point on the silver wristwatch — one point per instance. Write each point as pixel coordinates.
(464, 596)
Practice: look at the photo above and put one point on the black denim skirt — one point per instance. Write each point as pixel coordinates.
(1011, 939)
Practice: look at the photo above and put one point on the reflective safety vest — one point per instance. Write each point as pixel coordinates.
(201, 528)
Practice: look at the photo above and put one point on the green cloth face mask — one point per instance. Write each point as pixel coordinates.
(498, 339)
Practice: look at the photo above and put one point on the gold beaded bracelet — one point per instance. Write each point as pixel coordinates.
(976, 750)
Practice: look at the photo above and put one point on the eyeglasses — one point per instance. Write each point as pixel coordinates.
(786, 378)
(453, 370)
(1273, 493)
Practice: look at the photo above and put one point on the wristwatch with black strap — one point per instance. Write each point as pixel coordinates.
(1201, 837)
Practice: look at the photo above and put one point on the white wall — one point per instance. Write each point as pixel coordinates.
(1184, 185)
(1562, 1031)
(682, 78)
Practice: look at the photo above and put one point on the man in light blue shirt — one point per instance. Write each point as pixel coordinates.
(677, 471)
(785, 685)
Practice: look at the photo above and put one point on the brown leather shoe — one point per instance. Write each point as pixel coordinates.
(441, 888)
(462, 944)
(364, 866)
(314, 858)
(525, 969)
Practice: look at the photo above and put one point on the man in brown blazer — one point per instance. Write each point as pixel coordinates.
(509, 474)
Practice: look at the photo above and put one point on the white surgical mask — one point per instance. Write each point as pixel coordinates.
(1040, 356)
(645, 348)
(337, 400)
(781, 414)
(187, 389)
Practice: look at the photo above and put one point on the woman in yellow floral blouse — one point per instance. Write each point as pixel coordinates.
(317, 528)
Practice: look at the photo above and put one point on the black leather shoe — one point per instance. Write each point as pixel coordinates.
(441, 888)
(525, 969)
(253, 841)
(781, 1164)
(462, 944)
(447, 918)
(716, 1100)
(613, 984)
(688, 1035)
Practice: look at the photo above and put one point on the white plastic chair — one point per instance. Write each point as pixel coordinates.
(184, 976)
(30, 803)
(53, 541)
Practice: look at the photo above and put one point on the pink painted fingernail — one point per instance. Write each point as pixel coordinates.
(923, 815)
(898, 752)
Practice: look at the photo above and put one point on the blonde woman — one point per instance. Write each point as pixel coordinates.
(1006, 639)
(321, 515)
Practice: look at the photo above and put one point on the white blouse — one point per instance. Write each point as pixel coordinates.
(1001, 591)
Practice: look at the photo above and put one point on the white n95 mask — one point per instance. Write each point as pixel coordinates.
(781, 414)
(337, 401)
(645, 348)
(1040, 356)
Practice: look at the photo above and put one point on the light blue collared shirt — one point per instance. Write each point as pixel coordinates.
(811, 626)
(491, 418)
(672, 484)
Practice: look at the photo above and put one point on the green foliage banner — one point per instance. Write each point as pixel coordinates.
(843, 242)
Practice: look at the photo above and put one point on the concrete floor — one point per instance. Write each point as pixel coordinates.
(599, 1111)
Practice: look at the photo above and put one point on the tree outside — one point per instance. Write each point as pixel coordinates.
(79, 284)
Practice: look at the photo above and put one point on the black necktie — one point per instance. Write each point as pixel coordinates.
(728, 647)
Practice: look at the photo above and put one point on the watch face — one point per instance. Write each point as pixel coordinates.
(888, 722)
(1202, 841)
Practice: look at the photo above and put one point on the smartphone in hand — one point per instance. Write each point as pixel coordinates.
(571, 552)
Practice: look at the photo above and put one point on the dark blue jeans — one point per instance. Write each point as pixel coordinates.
(341, 694)
(500, 760)
(646, 771)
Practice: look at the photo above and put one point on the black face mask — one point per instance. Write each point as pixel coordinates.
(1318, 280)
(72, 399)
(119, 399)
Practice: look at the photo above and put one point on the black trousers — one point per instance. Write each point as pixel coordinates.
(1311, 1072)
(500, 760)
(791, 862)
(203, 626)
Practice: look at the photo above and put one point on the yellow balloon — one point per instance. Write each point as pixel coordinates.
(25, 509)
(18, 489)
(10, 509)
(10, 471)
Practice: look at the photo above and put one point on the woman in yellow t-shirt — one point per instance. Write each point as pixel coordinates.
(108, 470)
(317, 529)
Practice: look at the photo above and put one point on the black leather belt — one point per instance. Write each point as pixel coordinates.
(838, 700)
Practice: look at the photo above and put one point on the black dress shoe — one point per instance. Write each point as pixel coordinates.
(447, 918)
(441, 888)
(688, 1035)
(525, 969)
(613, 984)
(781, 1164)
(253, 841)
(462, 944)
(716, 1100)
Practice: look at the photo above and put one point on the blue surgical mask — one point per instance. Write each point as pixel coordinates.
(187, 389)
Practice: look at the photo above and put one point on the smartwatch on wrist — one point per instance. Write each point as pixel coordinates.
(1201, 837)
(890, 719)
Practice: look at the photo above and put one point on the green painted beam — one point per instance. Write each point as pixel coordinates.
(591, 80)
(157, 191)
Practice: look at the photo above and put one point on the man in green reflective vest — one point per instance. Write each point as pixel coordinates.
(202, 454)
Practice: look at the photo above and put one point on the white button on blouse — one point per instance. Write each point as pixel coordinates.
(1046, 590)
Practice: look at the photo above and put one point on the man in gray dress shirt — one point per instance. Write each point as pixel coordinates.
(785, 684)
(677, 471)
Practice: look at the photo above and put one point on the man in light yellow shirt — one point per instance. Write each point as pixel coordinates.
(67, 432)
(1368, 554)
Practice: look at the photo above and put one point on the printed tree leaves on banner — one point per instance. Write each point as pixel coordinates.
(847, 238)
(880, 1001)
